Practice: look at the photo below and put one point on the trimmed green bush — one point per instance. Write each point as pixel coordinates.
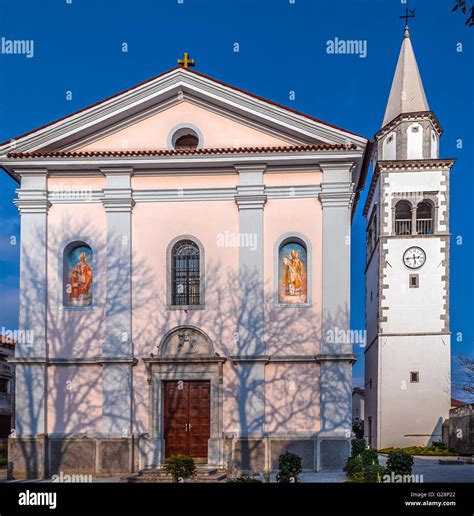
(399, 463)
(180, 467)
(434, 450)
(353, 466)
(369, 456)
(289, 467)
(357, 447)
(373, 472)
(364, 466)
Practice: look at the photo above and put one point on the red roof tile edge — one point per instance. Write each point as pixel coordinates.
(178, 152)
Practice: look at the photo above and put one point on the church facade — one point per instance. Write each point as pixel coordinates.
(185, 275)
(407, 357)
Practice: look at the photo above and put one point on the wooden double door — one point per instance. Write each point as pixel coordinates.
(187, 418)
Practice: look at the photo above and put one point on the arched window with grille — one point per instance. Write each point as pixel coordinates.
(424, 218)
(185, 278)
(403, 218)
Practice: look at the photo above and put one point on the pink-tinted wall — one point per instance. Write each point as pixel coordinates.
(75, 333)
(292, 389)
(153, 132)
(74, 399)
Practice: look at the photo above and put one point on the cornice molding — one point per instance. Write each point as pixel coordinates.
(179, 164)
(415, 165)
(187, 194)
(414, 116)
(100, 360)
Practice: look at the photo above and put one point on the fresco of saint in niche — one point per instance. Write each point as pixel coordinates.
(79, 288)
(292, 284)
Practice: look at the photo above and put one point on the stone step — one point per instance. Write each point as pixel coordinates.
(203, 474)
(162, 479)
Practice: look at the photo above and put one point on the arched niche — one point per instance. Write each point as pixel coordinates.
(186, 341)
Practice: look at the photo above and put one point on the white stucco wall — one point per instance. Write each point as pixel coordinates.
(418, 183)
(415, 141)
(412, 413)
(390, 146)
(413, 309)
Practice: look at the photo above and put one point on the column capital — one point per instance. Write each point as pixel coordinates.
(117, 196)
(250, 197)
(336, 195)
(32, 201)
(118, 200)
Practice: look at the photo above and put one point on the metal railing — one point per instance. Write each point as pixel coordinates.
(424, 226)
(403, 227)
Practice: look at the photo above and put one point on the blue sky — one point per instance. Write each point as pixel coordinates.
(282, 49)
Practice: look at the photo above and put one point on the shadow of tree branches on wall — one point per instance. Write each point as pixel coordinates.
(278, 394)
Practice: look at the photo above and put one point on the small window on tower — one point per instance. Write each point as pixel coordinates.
(414, 377)
(414, 129)
(389, 139)
(3, 385)
(371, 295)
(414, 281)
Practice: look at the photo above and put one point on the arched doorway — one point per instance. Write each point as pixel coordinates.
(185, 379)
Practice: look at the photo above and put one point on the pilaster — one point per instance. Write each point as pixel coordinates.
(117, 378)
(250, 200)
(336, 375)
(33, 204)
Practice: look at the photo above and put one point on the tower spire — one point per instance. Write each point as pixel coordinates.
(406, 94)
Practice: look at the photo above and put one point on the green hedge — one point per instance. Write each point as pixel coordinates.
(435, 449)
(363, 464)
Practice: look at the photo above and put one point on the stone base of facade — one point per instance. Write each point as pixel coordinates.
(258, 454)
(45, 456)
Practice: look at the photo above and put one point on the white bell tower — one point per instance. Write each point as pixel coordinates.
(407, 356)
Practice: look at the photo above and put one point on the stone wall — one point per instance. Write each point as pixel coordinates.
(458, 430)
(43, 456)
(262, 453)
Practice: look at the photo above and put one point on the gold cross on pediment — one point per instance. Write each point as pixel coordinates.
(186, 62)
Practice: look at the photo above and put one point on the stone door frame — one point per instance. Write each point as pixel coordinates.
(188, 371)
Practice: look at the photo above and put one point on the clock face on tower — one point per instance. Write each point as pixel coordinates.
(414, 257)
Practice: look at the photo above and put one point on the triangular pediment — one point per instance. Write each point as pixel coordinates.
(156, 130)
(144, 116)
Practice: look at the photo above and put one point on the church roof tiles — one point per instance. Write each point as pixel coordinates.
(178, 152)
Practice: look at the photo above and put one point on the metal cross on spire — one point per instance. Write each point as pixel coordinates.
(406, 15)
